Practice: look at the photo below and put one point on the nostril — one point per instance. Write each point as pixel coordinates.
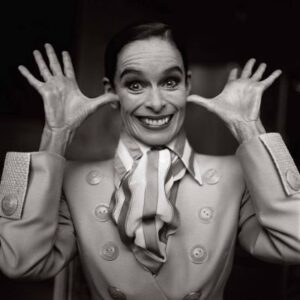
(156, 104)
(157, 107)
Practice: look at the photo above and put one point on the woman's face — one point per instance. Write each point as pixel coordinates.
(151, 82)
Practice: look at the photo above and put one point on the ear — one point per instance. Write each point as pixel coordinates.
(108, 88)
(189, 81)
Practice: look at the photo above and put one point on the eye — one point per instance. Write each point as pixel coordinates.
(171, 83)
(134, 86)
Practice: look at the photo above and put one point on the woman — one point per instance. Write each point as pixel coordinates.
(158, 221)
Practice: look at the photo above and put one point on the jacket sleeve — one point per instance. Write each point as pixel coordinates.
(36, 232)
(270, 210)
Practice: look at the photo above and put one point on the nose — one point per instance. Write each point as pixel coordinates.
(155, 101)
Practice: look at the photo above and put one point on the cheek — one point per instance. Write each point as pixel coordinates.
(177, 99)
(129, 102)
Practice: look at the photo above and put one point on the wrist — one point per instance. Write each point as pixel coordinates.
(243, 131)
(55, 140)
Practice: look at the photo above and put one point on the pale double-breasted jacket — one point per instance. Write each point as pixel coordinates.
(253, 196)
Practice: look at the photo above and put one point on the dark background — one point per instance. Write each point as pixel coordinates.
(219, 35)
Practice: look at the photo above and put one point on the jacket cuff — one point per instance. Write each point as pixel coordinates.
(13, 184)
(283, 161)
(285, 166)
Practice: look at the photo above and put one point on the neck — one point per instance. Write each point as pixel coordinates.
(175, 142)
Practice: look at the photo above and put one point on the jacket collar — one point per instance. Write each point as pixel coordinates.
(129, 151)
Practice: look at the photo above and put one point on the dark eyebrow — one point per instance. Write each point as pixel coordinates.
(138, 72)
(174, 69)
(129, 71)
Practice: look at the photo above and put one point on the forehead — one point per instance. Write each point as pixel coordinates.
(149, 55)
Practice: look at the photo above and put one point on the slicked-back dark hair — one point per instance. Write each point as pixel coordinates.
(137, 32)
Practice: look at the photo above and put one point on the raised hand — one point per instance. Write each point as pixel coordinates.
(239, 102)
(64, 104)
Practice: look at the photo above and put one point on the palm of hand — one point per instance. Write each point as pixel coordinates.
(64, 103)
(65, 106)
(240, 100)
(241, 97)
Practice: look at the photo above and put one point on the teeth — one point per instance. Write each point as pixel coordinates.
(156, 122)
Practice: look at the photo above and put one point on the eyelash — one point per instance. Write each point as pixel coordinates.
(175, 82)
(130, 84)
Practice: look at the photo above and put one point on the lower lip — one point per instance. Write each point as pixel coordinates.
(156, 127)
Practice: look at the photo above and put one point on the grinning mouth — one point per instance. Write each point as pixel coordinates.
(155, 122)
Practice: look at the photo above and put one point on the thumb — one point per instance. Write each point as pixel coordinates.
(205, 102)
(106, 98)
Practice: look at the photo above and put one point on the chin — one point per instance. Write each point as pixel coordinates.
(156, 139)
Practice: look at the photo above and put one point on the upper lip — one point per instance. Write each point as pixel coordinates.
(155, 117)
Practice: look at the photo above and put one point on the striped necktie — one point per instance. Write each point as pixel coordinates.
(143, 205)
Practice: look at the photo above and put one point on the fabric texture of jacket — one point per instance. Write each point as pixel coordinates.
(253, 196)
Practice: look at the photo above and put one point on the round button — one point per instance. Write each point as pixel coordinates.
(211, 176)
(9, 204)
(102, 212)
(93, 177)
(198, 254)
(109, 251)
(192, 296)
(293, 179)
(205, 214)
(116, 293)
